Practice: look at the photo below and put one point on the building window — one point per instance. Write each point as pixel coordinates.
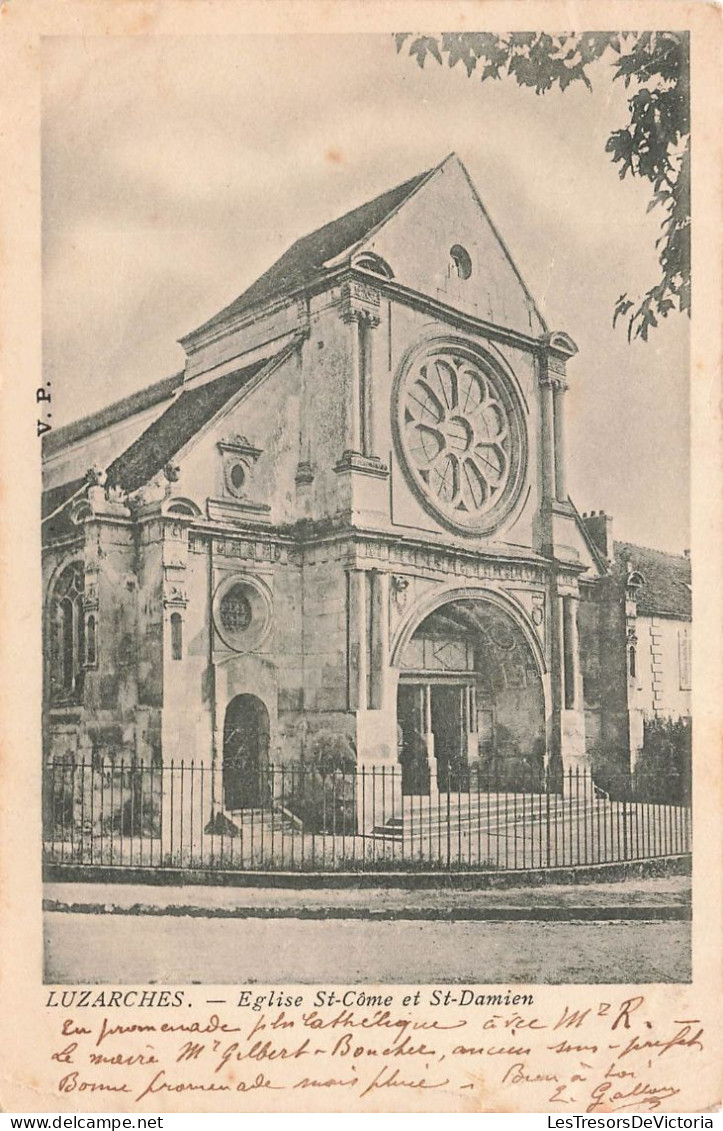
(91, 642)
(461, 262)
(176, 636)
(67, 650)
(237, 475)
(242, 613)
(235, 610)
(462, 434)
(373, 263)
(632, 661)
(684, 659)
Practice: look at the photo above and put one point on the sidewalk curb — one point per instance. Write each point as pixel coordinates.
(474, 880)
(678, 911)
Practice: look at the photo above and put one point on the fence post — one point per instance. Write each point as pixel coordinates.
(380, 798)
(547, 821)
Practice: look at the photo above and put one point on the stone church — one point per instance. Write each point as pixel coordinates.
(346, 522)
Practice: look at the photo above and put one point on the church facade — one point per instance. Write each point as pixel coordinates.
(345, 525)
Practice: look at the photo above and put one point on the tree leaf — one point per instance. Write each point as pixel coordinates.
(653, 145)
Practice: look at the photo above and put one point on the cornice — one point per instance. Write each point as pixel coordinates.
(307, 537)
(468, 322)
(249, 318)
(388, 288)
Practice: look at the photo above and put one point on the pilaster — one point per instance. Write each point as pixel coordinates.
(568, 722)
(558, 396)
(555, 509)
(356, 645)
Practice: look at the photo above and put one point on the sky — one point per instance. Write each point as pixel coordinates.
(177, 169)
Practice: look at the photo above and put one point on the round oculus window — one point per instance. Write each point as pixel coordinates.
(242, 613)
(462, 437)
(237, 475)
(235, 610)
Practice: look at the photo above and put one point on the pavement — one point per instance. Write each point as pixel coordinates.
(638, 899)
(212, 951)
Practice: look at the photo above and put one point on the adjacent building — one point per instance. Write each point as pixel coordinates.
(637, 627)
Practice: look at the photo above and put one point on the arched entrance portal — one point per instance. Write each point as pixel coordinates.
(245, 753)
(470, 702)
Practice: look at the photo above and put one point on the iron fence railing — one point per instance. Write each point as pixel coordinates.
(298, 818)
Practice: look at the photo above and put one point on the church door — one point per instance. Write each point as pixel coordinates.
(450, 736)
(245, 753)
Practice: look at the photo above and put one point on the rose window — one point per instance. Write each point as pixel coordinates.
(462, 438)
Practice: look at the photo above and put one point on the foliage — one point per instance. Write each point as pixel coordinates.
(141, 813)
(321, 789)
(610, 766)
(654, 144)
(59, 796)
(330, 752)
(663, 767)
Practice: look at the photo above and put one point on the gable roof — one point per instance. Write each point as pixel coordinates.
(169, 432)
(154, 394)
(306, 257)
(667, 588)
(54, 511)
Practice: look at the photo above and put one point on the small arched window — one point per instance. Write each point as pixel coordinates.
(181, 508)
(461, 261)
(176, 636)
(632, 661)
(67, 645)
(374, 263)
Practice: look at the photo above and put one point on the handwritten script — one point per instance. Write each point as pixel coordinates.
(615, 1056)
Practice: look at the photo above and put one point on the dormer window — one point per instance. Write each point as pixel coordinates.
(461, 261)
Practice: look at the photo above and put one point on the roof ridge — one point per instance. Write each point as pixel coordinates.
(651, 549)
(415, 184)
(84, 426)
(410, 181)
(183, 420)
(306, 256)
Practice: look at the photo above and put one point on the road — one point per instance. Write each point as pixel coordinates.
(90, 948)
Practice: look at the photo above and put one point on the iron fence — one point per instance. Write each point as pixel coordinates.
(296, 817)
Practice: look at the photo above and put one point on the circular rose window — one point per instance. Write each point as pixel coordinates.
(461, 434)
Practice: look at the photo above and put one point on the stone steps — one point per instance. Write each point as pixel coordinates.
(430, 817)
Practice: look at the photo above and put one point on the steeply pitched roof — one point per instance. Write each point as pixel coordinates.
(157, 446)
(666, 591)
(119, 410)
(53, 504)
(305, 258)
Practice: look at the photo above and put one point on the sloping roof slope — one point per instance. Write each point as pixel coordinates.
(193, 408)
(667, 589)
(54, 499)
(305, 258)
(119, 410)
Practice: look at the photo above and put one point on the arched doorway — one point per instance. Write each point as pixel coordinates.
(470, 702)
(245, 753)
